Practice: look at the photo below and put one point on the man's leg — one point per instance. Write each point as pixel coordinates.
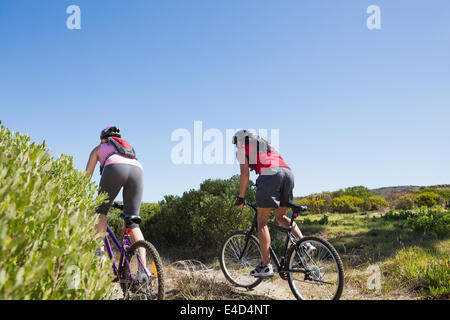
(263, 234)
(284, 221)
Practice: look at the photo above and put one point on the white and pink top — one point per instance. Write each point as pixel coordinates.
(106, 149)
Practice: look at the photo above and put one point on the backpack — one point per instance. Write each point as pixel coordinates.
(262, 146)
(122, 147)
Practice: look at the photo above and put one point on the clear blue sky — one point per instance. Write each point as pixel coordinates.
(353, 106)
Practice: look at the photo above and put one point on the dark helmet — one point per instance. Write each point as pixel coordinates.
(110, 132)
(242, 135)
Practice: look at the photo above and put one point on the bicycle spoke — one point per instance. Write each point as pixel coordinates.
(236, 268)
(322, 278)
(146, 281)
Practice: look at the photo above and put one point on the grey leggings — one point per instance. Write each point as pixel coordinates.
(116, 176)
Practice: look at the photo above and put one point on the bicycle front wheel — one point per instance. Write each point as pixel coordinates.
(236, 263)
(316, 274)
(143, 277)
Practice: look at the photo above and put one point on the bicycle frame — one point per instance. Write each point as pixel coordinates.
(281, 266)
(122, 249)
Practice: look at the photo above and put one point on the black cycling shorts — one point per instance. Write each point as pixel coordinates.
(128, 177)
(274, 189)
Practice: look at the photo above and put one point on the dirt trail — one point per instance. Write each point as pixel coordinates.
(192, 280)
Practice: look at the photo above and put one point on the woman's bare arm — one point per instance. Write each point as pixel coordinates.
(92, 162)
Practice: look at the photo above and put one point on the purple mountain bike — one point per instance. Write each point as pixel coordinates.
(139, 270)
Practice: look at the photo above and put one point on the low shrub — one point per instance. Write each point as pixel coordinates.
(428, 199)
(347, 204)
(433, 221)
(47, 219)
(406, 202)
(314, 205)
(377, 203)
(322, 221)
(420, 270)
(398, 214)
(200, 219)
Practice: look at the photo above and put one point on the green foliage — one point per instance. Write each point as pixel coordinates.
(377, 203)
(352, 199)
(435, 221)
(314, 205)
(322, 221)
(406, 202)
(422, 270)
(358, 191)
(347, 204)
(427, 199)
(398, 214)
(200, 219)
(47, 219)
(444, 194)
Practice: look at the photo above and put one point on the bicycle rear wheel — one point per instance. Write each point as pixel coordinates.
(318, 275)
(146, 281)
(236, 269)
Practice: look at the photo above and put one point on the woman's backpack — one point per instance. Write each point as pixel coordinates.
(122, 147)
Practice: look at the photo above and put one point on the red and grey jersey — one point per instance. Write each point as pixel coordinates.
(258, 161)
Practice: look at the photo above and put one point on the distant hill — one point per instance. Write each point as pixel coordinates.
(388, 192)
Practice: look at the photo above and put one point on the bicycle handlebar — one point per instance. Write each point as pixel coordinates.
(117, 206)
(295, 208)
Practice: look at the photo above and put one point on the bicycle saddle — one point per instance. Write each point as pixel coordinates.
(131, 217)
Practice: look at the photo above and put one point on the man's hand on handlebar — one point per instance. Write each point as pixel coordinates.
(240, 202)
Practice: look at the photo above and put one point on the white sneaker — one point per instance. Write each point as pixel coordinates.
(141, 276)
(262, 271)
(309, 249)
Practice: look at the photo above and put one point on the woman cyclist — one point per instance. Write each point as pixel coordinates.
(118, 171)
(273, 190)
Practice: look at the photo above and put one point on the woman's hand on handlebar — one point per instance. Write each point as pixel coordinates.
(240, 202)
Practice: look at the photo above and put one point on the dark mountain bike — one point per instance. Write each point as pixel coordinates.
(140, 270)
(312, 275)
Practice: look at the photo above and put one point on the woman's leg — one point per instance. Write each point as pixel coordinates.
(100, 227)
(132, 197)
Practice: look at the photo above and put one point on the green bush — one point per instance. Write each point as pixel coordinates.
(200, 219)
(47, 219)
(435, 221)
(377, 203)
(322, 221)
(398, 214)
(405, 202)
(427, 199)
(444, 194)
(314, 205)
(347, 204)
(357, 191)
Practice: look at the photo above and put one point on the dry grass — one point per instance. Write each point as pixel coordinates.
(193, 280)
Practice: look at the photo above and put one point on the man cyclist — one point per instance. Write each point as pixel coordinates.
(118, 171)
(274, 190)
